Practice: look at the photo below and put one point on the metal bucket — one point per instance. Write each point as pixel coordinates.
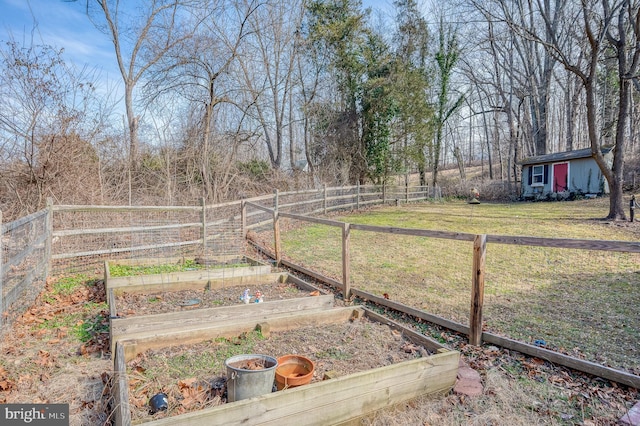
(243, 383)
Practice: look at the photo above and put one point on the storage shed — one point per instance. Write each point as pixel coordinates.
(563, 174)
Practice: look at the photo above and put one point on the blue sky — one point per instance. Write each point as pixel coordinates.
(60, 24)
(64, 24)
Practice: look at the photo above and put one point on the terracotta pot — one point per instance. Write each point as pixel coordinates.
(293, 370)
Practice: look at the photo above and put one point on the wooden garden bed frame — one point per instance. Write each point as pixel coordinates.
(333, 401)
(191, 325)
(183, 280)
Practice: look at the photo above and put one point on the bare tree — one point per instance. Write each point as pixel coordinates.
(268, 64)
(198, 72)
(603, 24)
(139, 42)
(48, 118)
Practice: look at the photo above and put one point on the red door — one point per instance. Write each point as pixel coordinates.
(560, 177)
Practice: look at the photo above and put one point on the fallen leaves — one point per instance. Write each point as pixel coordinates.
(45, 359)
(6, 384)
(193, 393)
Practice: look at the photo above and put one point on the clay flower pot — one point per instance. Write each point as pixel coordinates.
(293, 370)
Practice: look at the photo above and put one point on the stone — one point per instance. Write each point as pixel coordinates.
(632, 418)
(468, 382)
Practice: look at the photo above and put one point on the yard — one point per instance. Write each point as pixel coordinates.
(574, 301)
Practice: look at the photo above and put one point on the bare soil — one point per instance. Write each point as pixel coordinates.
(42, 361)
(200, 381)
(130, 304)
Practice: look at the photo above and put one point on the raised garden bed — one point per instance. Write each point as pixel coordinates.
(368, 361)
(186, 314)
(181, 274)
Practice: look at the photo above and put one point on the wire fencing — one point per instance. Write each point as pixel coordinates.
(71, 239)
(577, 301)
(566, 300)
(24, 259)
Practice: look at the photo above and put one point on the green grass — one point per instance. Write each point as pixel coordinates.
(187, 363)
(580, 302)
(81, 324)
(67, 285)
(118, 270)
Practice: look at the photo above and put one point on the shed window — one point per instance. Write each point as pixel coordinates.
(538, 174)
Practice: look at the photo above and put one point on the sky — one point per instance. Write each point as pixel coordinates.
(63, 24)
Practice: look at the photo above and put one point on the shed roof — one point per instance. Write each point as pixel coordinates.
(562, 156)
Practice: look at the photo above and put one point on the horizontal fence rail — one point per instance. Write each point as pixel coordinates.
(560, 251)
(78, 239)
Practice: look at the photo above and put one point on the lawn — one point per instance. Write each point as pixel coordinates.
(579, 302)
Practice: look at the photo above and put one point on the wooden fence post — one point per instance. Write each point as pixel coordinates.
(2, 307)
(49, 231)
(203, 215)
(346, 260)
(358, 196)
(384, 194)
(243, 218)
(477, 289)
(324, 198)
(276, 236)
(406, 192)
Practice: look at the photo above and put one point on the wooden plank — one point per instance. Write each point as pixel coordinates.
(113, 310)
(567, 243)
(415, 337)
(477, 290)
(317, 220)
(153, 324)
(313, 274)
(336, 400)
(302, 203)
(85, 231)
(346, 262)
(168, 320)
(124, 250)
(259, 207)
(178, 335)
(276, 237)
(10, 226)
(200, 275)
(120, 391)
(176, 260)
(460, 236)
(212, 283)
(443, 322)
(588, 367)
(303, 284)
(86, 208)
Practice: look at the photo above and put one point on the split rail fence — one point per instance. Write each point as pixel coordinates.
(77, 239)
(478, 249)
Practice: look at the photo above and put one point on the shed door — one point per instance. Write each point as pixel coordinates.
(560, 177)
